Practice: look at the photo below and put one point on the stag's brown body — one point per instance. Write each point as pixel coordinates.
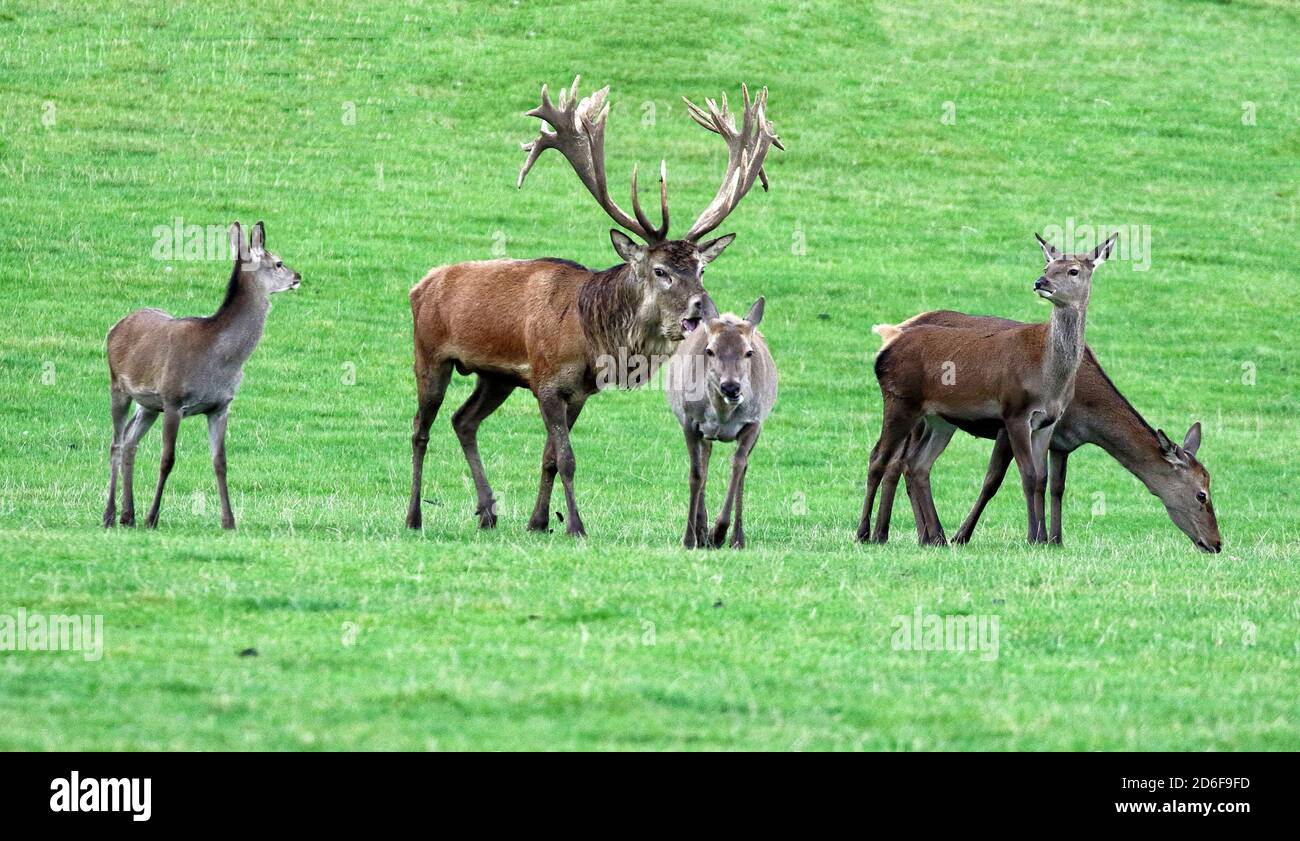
(545, 324)
(1098, 414)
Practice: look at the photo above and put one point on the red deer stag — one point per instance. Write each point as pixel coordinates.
(543, 324)
(1023, 377)
(1099, 415)
(188, 366)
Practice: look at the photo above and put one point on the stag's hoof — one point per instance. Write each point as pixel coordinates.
(127, 518)
(718, 538)
(541, 525)
(414, 520)
(738, 540)
(110, 519)
(228, 525)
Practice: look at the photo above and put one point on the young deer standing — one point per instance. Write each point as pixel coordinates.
(188, 366)
(1099, 415)
(1023, 377)
(728, 403)
(544, 324)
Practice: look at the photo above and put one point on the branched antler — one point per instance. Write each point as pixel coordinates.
(746, 150)
(579, 135)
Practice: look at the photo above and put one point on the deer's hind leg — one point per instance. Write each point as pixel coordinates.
(171, 425)
(431, 380)
(120, 406)
(488, 396)
(896, 426)
(136, 430)
(217, 444)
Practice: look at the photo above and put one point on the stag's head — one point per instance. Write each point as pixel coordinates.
(1184, 487)
(268, 270)
(1067, 279)
(668, 272)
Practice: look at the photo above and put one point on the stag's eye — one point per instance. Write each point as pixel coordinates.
(1073, 272)
(708, 351)
(660, 272)
(279, 265)
(1201, 496)
(748, 353)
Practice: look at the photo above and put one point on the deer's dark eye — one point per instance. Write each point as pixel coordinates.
(1201, 496)
(748, 353)
(279, 265)
(660, 273)
(1073, 272)
(708, 351)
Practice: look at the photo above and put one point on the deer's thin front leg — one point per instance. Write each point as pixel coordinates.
(999, 461)
(693, 439)
(736, 490)
(140, 424)
(555, 414)
(1041, 440)
(171, 424)
(217, 444)
(119, 406)
(541, 518)
(1019, 434)
(1058, 459)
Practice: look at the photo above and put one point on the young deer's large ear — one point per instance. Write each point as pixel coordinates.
(626, 247)
(236, 241)
(708, 309)
(755, 312)
(1049, 250)
(1101, 253)
(710, 250)
(259, 237)
(1171, 451)
(1192, 442)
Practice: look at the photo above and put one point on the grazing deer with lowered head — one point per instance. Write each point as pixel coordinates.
(1099, 415)
(544, 324)
(1023, 377)
(179, 367)
(721, 387)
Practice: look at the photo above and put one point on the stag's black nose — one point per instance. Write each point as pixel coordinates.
(1041, 283)
(730, 390)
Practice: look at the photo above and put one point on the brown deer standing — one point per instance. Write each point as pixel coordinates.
(1099, 415)
(721, 387)
(188, 366)
(544, 324)
(1023, 377)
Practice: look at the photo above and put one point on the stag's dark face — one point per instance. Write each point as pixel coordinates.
(670, 276)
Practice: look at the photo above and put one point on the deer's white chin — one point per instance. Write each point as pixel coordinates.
(733, 401)
(1044, 293)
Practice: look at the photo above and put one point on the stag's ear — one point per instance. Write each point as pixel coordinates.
(259, 238)
(1171, 451)
(708, 309)
(1192, 442)
(1101, 253)
(626, 247)
(710, 250)
(755, 312)
(1049, 250)
(236, 241)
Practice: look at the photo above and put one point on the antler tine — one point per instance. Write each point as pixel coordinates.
(660, 232)
(579, 135)
(746, 150)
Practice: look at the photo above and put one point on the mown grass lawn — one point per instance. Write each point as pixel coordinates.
(925, 145)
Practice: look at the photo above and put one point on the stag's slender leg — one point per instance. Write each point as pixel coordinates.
(171, 424)
(555, 413)
(895, 427)
(541, 518)
(999, 461)
(888, 486)
(488, 396)
(693, 449)
(217, 419)
(1058, 458)
(139, 425)
(736, 490)
(119, 405)
(431, 385)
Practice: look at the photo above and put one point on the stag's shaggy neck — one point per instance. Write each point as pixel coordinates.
(610, 307)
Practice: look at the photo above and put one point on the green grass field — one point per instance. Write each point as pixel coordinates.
(925, 143)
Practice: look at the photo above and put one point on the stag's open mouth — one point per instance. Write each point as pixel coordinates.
(689, 325)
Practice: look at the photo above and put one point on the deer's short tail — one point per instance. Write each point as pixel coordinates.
(887, 333)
